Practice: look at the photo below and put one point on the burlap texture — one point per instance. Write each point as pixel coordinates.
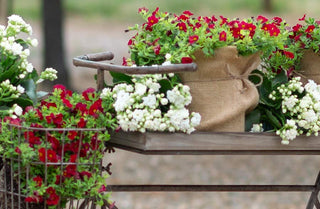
(221, 91)
(310, 66)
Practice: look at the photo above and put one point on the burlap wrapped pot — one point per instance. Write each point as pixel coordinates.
(310, 66)
(221, 91)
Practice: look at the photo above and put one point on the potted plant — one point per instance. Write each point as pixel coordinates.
(226, 51)
(53, 151)
(306, 38)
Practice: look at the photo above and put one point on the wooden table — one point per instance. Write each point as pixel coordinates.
(204, 143)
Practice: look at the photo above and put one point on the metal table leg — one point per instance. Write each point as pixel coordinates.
(314, 199)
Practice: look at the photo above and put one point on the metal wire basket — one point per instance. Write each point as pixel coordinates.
(17, 173)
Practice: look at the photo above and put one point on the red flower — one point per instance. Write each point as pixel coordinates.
(186, 60)
(193, 39)
(262, 19)
(277, 20)
(87, 93)
(182, 26)
(17, 150)
(85, 173)
(224, 20)
(155, 11)
(95, 107)
(31, 138)
(84, 149)
(143, 9)
(223, 36)
(70, 171)
(303, 18)
(73, 158)
(34, 199)
(82, 108)
(52, 156)
(59, 86)
(82, 123)
(157, 49)
(67, 103)
(183, 17)
(236, 32)
(72, 135)
(288, 54)
(53, 197)
(124, 61)
(152, 20)
(38, 180)
(310, 28)
(272, 29)
(296, 28)
(42, 154)
(102, 189)
(213, 18)
(187, 12)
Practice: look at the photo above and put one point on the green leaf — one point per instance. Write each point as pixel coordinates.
(252, 118)
(41, 94)
(30, 87)
(23, 102)
(279, 79)
(121, 78)
(273, 119)
(165, 85)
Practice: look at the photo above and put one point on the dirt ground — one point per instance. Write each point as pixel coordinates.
(91, 36)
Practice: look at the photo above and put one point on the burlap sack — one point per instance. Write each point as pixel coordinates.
(221, 91)
(309, 67)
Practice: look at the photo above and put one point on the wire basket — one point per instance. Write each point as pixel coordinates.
(39, 156)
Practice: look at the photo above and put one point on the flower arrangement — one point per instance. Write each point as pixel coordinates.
(154, 103)
(181, 35)
(18, 78)
(59, 145)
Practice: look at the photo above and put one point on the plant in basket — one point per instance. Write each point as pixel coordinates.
(306, 38)
(18, 78)
(55, 149)
(225, 51)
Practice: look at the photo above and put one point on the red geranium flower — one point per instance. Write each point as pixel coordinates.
(152, 20)
(52, 156)
(310, 28)
(82, 108)
(72, 135)
(186, 60)
(67, 103)
(87, 93)
(193, 39)
(38, 180)
(82, 123)
(53, 198)
(31, 138)
(143, 9)
(303, 18)
(296, 28)
(187, 12)
(288, 54)
(236, 32)
(182, 26)
(157, 49)
(95, 107)
(42, 154)
(55, 144)
(17, 150)
(262, 19)
(85, 173)
(223, 36)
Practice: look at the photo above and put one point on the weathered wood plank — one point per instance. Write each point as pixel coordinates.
(208, 143)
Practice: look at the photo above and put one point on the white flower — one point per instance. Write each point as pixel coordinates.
(123, 100)
(150, 101)
(166, 63)
(290, 102)
(34, 42)
(29, 68)
(155, 87)
(138, 115)
(256, 128)
(20, 89)
(164, 101)
(16, 49)
(17, 110)
(140, 89)
(168, 56)
(16, 19)
(195, 120)
(290, 134)
(106, 92)
(309, 116)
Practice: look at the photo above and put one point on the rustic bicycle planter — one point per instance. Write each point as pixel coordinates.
(201, 143)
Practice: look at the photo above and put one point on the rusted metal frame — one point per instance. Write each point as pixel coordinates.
(313, 200)
(215, 152)
(211, 188)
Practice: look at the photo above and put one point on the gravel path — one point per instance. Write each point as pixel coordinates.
(92, 36)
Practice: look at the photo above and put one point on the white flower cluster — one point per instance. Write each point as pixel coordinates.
(8, 91)
(48, 74)
(257, 128)
(302, 106)
(141, 106)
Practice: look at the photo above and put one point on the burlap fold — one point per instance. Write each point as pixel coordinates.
(220, 89)
(310, 66)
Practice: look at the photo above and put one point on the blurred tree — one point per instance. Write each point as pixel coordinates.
(5, 10)
(267, 5)
(52, 13)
